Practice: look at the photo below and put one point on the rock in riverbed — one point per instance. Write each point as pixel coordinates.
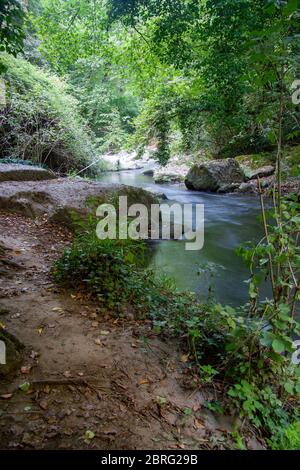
(229, 188)
(250, 187)
(63, 198)
(173, 172)
(149, 172)
(24, 173)
(262, 172)
(212, 175)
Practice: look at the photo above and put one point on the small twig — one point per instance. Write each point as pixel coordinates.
(9, 262)
(60, 382)
(267, 237)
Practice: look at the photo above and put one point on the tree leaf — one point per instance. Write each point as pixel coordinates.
(24, 387)
(278, 346)
(89, 434)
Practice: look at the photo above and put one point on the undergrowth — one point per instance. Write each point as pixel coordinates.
(40, 120)
(244, 353)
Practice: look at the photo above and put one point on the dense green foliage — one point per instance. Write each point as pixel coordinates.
(41, 121)
(219, 52)
(109, 270)
(11, 26)
(204, 73)
(288, 438)
(76, 44)
(188, 75)
(104, 102)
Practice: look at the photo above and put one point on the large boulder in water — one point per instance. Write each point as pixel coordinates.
(212, 175)
(15, 172)
(173, 172)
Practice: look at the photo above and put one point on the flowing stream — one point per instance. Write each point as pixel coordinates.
(230, 220)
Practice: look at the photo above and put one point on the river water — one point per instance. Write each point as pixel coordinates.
(230, 220)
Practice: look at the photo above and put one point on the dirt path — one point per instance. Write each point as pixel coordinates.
(96, 382)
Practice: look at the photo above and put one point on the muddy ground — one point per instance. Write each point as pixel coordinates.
(95, 381)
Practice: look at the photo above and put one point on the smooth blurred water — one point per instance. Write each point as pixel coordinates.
(230, 220)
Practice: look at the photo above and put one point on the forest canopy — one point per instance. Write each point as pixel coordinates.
(192, 76)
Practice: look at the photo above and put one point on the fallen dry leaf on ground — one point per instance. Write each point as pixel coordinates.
(143, 381)
(43, 404)
(33, 354)
(184, 358)
(104, 332)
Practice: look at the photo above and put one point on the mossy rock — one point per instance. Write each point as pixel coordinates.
(13, 353)
(63, 198)
(74, 217)
(254, 161)
(211, 176)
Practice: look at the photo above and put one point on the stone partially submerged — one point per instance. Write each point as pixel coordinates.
(213, 175)
(173, 172)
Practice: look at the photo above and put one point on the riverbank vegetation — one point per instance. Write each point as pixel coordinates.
(41, 121)
(199, 78)
(243, 353)
(205, 75)
(203, 78)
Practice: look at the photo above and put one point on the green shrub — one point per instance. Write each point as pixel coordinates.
(102, 268)
(287, 438)
(247, 349)
(40, 121)
(115, 272)
(105, 102)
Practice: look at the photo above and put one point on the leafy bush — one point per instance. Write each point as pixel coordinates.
(41, 121)
(287, 438)
(115, 272)
(107, 269)
(105, 102)
(247, 349)
(11, 26)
